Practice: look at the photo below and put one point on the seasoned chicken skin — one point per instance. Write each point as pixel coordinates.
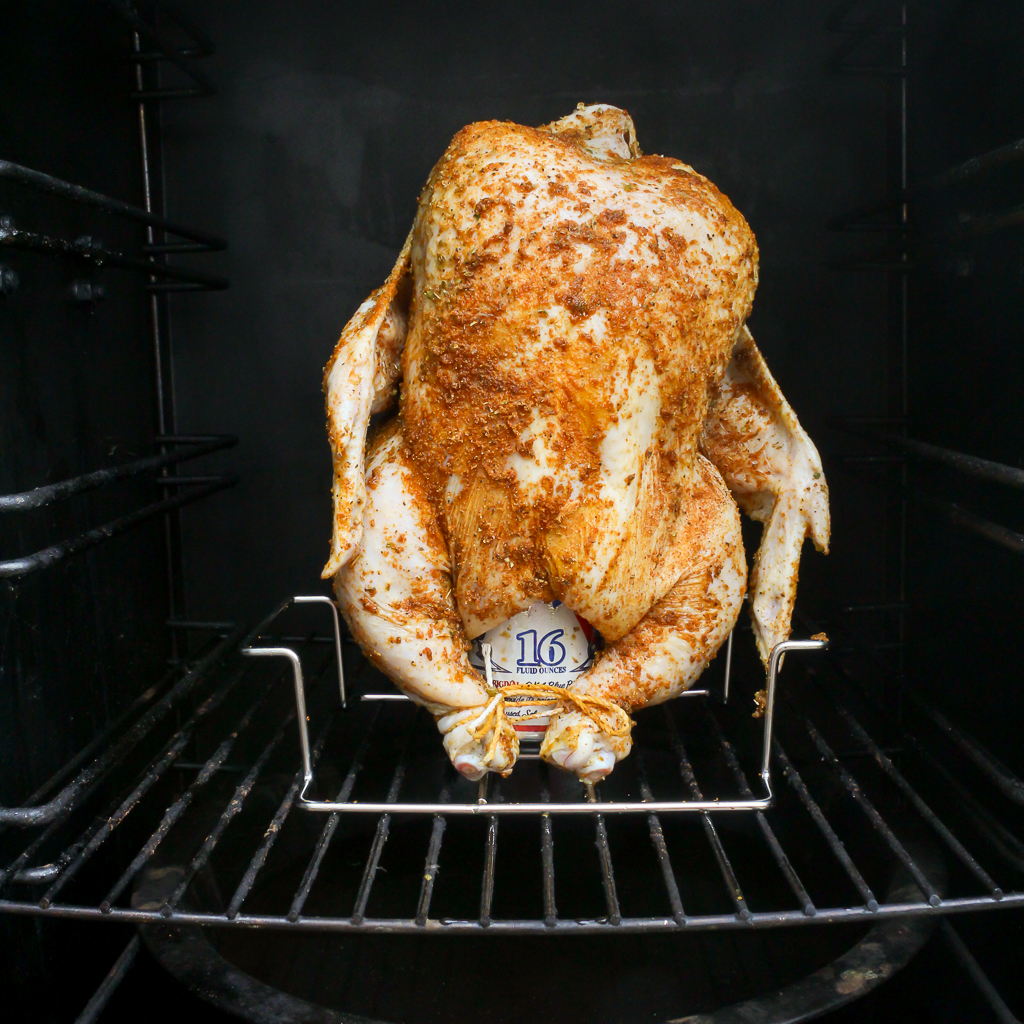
(578, 396)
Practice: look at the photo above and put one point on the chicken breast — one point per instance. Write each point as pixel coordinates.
(579, 395)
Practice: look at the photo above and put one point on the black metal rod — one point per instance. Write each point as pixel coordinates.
(887, 606)
(716, 922)
(884, 259)
(863, 215)
(101, 829)
(68, 797)
(162, 248)
(604, 854)
(158, 287)
(30, 241)
(204, 43)
(835, 844)
(881, 826)
(320, 850)
(203, 47)
(970, 465)
(216, 626)
(65, 549)
(976, 226)
(101, 739)
(1002, 840)
(971, 521)
(122, 965)
(998, 835)
(984, 469)
(490, 863)
(976, 165)
(170, 94)
(661, 847)
(381, 836)
(97, 836)
(922, 808)
(186, 481)
(259, 858)
(965, 958)
(170, 52)
(257, 631)
(1008, 783)
(43, 872)
(779, 855)
(47, 183)
(178, 808)
(722, 858)
(882, 70)
(235, 804)
(961, 172)
(152, 56)
(431, 864)
(547, 857)
(869, 26)
(1001, 535)
(49, 493)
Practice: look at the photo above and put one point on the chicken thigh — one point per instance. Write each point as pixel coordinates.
(580, 409)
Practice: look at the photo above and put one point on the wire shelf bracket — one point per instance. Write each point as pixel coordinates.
(485, 807)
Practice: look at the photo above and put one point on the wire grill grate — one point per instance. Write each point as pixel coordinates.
(208, 800)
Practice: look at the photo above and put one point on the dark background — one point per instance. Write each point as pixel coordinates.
(309, 159)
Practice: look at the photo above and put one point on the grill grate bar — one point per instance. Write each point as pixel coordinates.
(383, 827)
(100, 834)
(235, 805)
(259, 858)
(55, 553)
(137, 705)
(490, 861)
(102, 996)
(806, 903)
(922, 808)
(547, 855)
(91, 839)
(728, 875)
(1001, 838)
(520, 926)
(965, 958)
(329, 829)
(178, 808)
(58, 809)
(1003, 841)
(853, 788)
(660, 847)
(834, 842)
(1008, 783)
(611, 897)
(430, 866)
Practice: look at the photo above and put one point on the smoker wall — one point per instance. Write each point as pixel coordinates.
(309, 159)
(965, 369)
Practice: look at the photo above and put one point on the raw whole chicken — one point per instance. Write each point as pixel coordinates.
(581, 409)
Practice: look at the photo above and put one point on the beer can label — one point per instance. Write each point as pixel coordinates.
(547, 643)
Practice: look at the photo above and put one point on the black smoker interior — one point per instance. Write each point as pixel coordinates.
(246, 175)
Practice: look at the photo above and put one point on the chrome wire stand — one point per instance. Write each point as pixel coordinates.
(484, 806)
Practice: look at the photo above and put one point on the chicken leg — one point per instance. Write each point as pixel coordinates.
(665, 652)
(396, 594)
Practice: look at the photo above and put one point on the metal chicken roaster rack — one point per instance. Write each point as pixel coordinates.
(486, 806)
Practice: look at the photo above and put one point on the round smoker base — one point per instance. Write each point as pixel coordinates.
(190, 955)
